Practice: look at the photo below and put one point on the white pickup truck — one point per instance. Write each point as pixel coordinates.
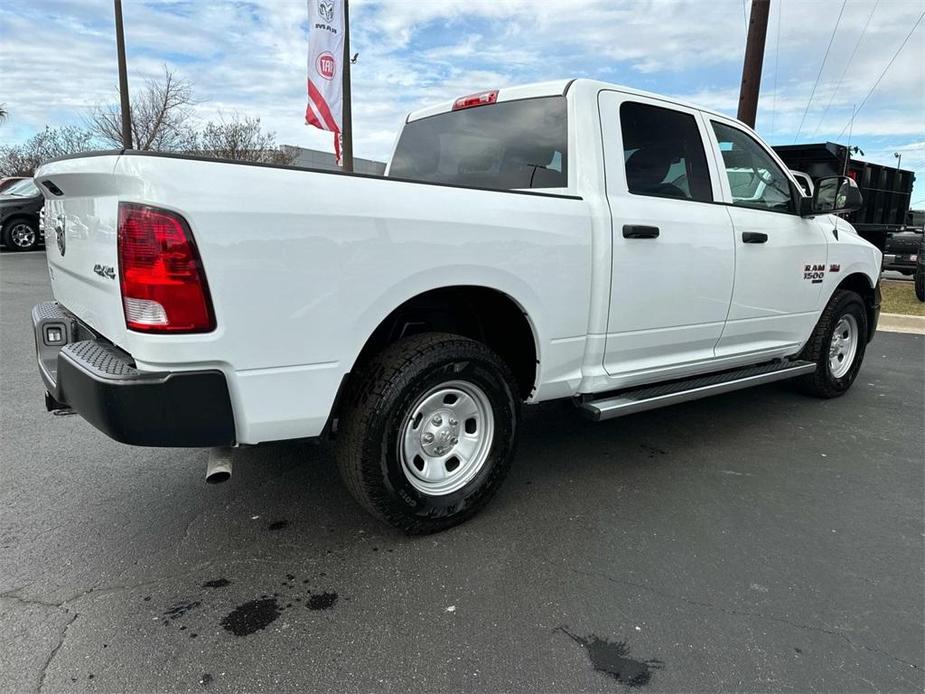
(570, 239)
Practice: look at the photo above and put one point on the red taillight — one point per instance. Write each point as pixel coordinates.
(479, 99)
(163, 284)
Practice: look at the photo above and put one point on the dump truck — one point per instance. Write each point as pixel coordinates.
(887, 190)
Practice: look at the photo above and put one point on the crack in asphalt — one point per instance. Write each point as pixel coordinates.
(747, 613)
(12, 595)
(102, 590)
(54, 651)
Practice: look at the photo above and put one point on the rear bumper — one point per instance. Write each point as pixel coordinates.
(143, 408)
(900, 262)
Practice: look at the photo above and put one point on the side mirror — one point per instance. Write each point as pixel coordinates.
(833, 195)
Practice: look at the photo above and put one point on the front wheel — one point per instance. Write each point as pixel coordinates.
(837, 346)
(428, 430)
(21, 235)
(920, 283)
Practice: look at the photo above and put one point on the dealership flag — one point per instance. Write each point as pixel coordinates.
(325, 62)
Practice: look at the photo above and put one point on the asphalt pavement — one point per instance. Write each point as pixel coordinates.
(756, 541)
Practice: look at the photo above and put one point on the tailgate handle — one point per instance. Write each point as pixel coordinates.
(638, 231)
(754, 237)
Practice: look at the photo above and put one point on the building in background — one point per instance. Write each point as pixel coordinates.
(316, 159)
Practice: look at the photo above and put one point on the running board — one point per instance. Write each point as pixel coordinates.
(652, 397)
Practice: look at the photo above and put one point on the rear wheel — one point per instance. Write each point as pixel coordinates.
(428, 430)
(837, 346)
(21, 235)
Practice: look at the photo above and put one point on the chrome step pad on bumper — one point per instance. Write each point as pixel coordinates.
(652, 397)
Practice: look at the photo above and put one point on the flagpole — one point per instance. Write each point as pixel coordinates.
(347, 132)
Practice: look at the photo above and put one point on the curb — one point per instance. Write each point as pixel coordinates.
(900, 323)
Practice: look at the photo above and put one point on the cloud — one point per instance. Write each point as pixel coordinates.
(249, 57)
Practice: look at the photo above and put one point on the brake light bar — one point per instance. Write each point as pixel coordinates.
(480, 99)
(161, 276)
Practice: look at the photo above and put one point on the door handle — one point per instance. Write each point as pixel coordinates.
(754, 237)
(638, 231)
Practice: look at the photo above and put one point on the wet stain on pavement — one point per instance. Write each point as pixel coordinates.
(248, 617)
(251, 617)
(653, 451)
(278, 525)
(612, 658)
(322, 601)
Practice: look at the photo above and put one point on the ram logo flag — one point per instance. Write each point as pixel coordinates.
(325, 62)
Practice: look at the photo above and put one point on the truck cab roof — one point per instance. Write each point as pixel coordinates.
(550, 88)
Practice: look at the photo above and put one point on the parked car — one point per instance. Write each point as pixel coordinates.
(8, 181)
(574, 240)
(920, 272)
(902, 251)
(19, 216)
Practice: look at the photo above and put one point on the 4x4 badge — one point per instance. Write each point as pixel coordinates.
(106, 271)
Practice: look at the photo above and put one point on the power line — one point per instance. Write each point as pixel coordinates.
(821, 67)
(780, 11)
(845, 71)
(898, 51)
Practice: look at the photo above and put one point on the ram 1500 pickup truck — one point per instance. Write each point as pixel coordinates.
(569, 239)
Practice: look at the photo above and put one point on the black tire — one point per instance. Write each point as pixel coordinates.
(12, 240)
(383, 394)
(822, 383)
(920, 282)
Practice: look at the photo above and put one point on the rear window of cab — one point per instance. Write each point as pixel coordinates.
(503, 146)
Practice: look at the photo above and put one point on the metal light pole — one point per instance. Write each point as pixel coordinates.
(899, 156)
(754, 59)
(123, 80)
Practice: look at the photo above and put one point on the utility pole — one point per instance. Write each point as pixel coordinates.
(347, 115)
(754, 58)
(123, 80)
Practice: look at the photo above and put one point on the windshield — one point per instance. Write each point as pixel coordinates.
(23, 189)
(503, 146)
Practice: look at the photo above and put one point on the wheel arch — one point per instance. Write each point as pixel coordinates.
(483, 313)
(869, 290)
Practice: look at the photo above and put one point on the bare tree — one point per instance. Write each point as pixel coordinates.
(161, 112)
(24, 159)
(240, 138)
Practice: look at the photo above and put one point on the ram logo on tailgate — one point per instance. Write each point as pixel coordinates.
(60, 235)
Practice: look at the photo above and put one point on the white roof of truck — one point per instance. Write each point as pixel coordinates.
(551, 88)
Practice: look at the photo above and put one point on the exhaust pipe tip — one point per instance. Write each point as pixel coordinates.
(218, 469)
(218, 477)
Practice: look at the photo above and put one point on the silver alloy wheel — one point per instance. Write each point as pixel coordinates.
(447, 437)
(844, 345)
(22, 235)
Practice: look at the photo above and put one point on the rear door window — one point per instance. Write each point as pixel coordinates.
(504, 146)
(663, 153)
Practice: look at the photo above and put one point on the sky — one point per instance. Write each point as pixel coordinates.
(822, 60)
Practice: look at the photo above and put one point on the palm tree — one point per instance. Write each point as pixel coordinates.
(3, 112)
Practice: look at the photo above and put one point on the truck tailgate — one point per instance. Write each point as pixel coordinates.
(81, 219)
